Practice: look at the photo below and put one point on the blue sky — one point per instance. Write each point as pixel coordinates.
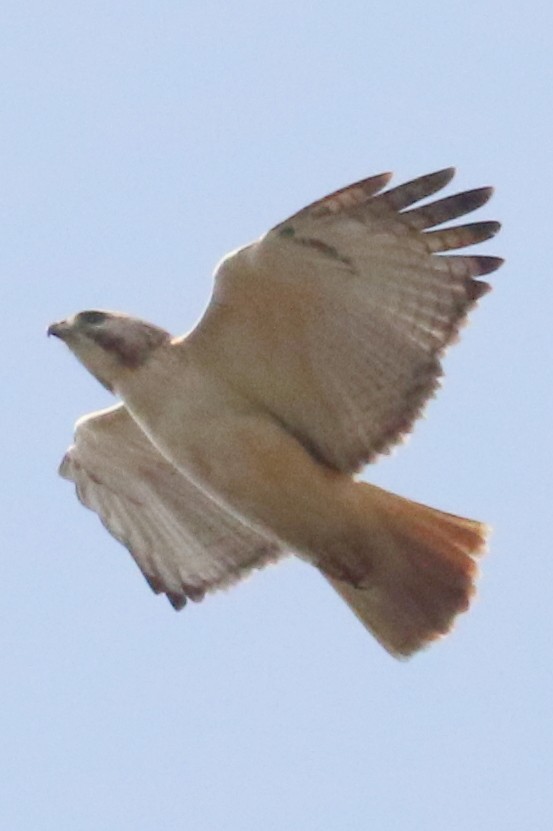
(140, 142)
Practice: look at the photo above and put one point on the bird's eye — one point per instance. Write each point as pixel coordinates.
(92, 317)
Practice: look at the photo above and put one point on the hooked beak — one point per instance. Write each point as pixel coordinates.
(59, 329)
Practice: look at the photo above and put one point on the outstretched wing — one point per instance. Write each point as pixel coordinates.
(336, 320)
(183, 541)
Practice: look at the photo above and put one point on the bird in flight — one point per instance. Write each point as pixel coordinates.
(240, 442)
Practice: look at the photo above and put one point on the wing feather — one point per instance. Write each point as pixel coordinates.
(460, 236)
(448, 208)
(346, 198)
(401, 196)
(335, 322)
(184, 542)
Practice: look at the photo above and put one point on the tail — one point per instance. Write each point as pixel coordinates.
(420, 569)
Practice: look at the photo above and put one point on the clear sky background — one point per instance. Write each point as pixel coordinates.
(139, 142)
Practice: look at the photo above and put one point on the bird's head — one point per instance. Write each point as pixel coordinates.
(109, 344)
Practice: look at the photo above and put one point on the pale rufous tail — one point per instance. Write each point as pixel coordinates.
(421, 570)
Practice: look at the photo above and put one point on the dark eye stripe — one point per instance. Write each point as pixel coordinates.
(92, 317)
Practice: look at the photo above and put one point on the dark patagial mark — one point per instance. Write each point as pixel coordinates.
(311, 242)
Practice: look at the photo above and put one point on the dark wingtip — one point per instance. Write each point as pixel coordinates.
(477, 289)
(177, 601)
(439, 179)
(494, 227)
(377, 182)
(485, 265)
(478, 196)
(447, 173)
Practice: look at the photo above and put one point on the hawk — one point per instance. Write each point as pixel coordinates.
(240, 442)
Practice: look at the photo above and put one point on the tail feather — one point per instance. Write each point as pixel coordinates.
(421, 570)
